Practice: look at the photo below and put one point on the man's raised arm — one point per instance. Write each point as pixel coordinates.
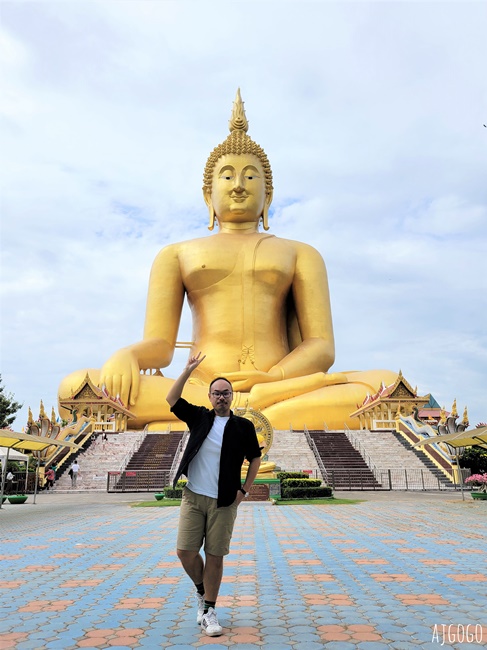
(177, 388)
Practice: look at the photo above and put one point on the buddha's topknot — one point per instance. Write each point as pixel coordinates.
(238, 142)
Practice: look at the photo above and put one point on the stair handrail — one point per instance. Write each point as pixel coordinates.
(317, 456)
(135, 447)
(177, 456)
(358, 446)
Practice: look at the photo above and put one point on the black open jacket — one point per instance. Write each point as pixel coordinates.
(239, 442)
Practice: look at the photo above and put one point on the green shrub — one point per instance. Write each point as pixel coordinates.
(306, 492)
(282, 476)
(300, 482)
(475, 458)
(175, 493)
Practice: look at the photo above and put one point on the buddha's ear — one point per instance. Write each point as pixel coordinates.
(211, 209)
(265, 211)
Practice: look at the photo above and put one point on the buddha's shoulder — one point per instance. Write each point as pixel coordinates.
(299, 246)
(208, 243)
(177, 248)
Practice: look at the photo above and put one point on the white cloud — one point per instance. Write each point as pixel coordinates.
(371, 114)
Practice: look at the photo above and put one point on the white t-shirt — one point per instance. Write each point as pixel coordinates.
(204, 469)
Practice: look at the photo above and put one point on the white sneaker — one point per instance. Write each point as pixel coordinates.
(201, 607)
(210, 625)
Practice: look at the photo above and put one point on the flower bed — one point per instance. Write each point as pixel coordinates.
(478, 481)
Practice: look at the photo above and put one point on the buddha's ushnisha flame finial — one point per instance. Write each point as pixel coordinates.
(238, 120)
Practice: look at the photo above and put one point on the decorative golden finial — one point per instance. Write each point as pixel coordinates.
(238, 142)
(398, 412)
(53, 416)
(443, 416)
(30, 418)
(238, 120)
(465, 418)
(454, 412)
(42, 413)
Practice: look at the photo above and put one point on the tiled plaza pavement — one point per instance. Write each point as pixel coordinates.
(89, 571)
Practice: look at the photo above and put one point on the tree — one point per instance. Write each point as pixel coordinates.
(474, 458)
(8, 407)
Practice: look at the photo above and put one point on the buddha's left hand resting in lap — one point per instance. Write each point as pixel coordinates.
(260, 308)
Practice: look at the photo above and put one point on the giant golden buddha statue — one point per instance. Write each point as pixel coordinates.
(260, 308)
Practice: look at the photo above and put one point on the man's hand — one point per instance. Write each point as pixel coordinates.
(177, 388)
(121, 376)
(239, 498)
(193, 362)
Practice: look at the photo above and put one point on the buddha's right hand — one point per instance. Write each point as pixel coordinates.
(121, 376)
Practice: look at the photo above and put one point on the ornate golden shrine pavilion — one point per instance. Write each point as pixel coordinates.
(379, 411)
(108, 413)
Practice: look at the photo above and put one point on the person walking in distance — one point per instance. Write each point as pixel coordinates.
(74, 470)
(212, 462)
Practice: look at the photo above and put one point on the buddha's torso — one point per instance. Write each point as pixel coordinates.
(237, 286)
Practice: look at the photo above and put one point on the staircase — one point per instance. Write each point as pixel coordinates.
(100, 458)
(345, 467)
(425, 461)
(151, 463)
(290, 452)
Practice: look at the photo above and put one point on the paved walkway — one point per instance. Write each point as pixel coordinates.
(400, 570)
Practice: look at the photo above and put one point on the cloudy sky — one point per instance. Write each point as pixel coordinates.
(372, 117)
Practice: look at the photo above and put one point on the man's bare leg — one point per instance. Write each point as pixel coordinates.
(193, 565)
(212, 576)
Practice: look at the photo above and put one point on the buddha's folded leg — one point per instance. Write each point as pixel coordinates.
(330, 406)
(264, 395)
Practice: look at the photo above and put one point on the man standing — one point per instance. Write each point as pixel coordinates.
(218, 443)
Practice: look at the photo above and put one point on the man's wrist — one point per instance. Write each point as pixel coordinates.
(244, 491)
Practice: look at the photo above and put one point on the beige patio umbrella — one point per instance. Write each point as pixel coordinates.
(26, 442)
(459, 439)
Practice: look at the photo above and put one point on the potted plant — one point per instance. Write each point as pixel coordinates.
(479, 482)
(17, 498)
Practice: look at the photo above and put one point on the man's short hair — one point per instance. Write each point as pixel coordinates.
(218, 379)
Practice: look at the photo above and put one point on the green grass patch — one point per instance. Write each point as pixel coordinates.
(330, 501)
(163, 503)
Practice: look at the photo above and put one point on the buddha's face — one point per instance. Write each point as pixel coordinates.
(238, 189)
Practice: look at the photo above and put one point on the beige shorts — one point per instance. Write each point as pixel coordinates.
(200, 520)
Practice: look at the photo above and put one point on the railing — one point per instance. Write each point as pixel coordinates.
(346, 479)
(133, 449)
(177, 457)
(403, 479)
(317, 456)
(144, 480)
(359, 446)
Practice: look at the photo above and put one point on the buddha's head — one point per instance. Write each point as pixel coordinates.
(237, 182)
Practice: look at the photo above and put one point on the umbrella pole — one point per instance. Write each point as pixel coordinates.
(460, 477)
(37, 475)
(26, 474)
(4, 473)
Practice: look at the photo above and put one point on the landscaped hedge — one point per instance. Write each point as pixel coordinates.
(306, 492)
(300, 482)
(282, 476)
(174, 493)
